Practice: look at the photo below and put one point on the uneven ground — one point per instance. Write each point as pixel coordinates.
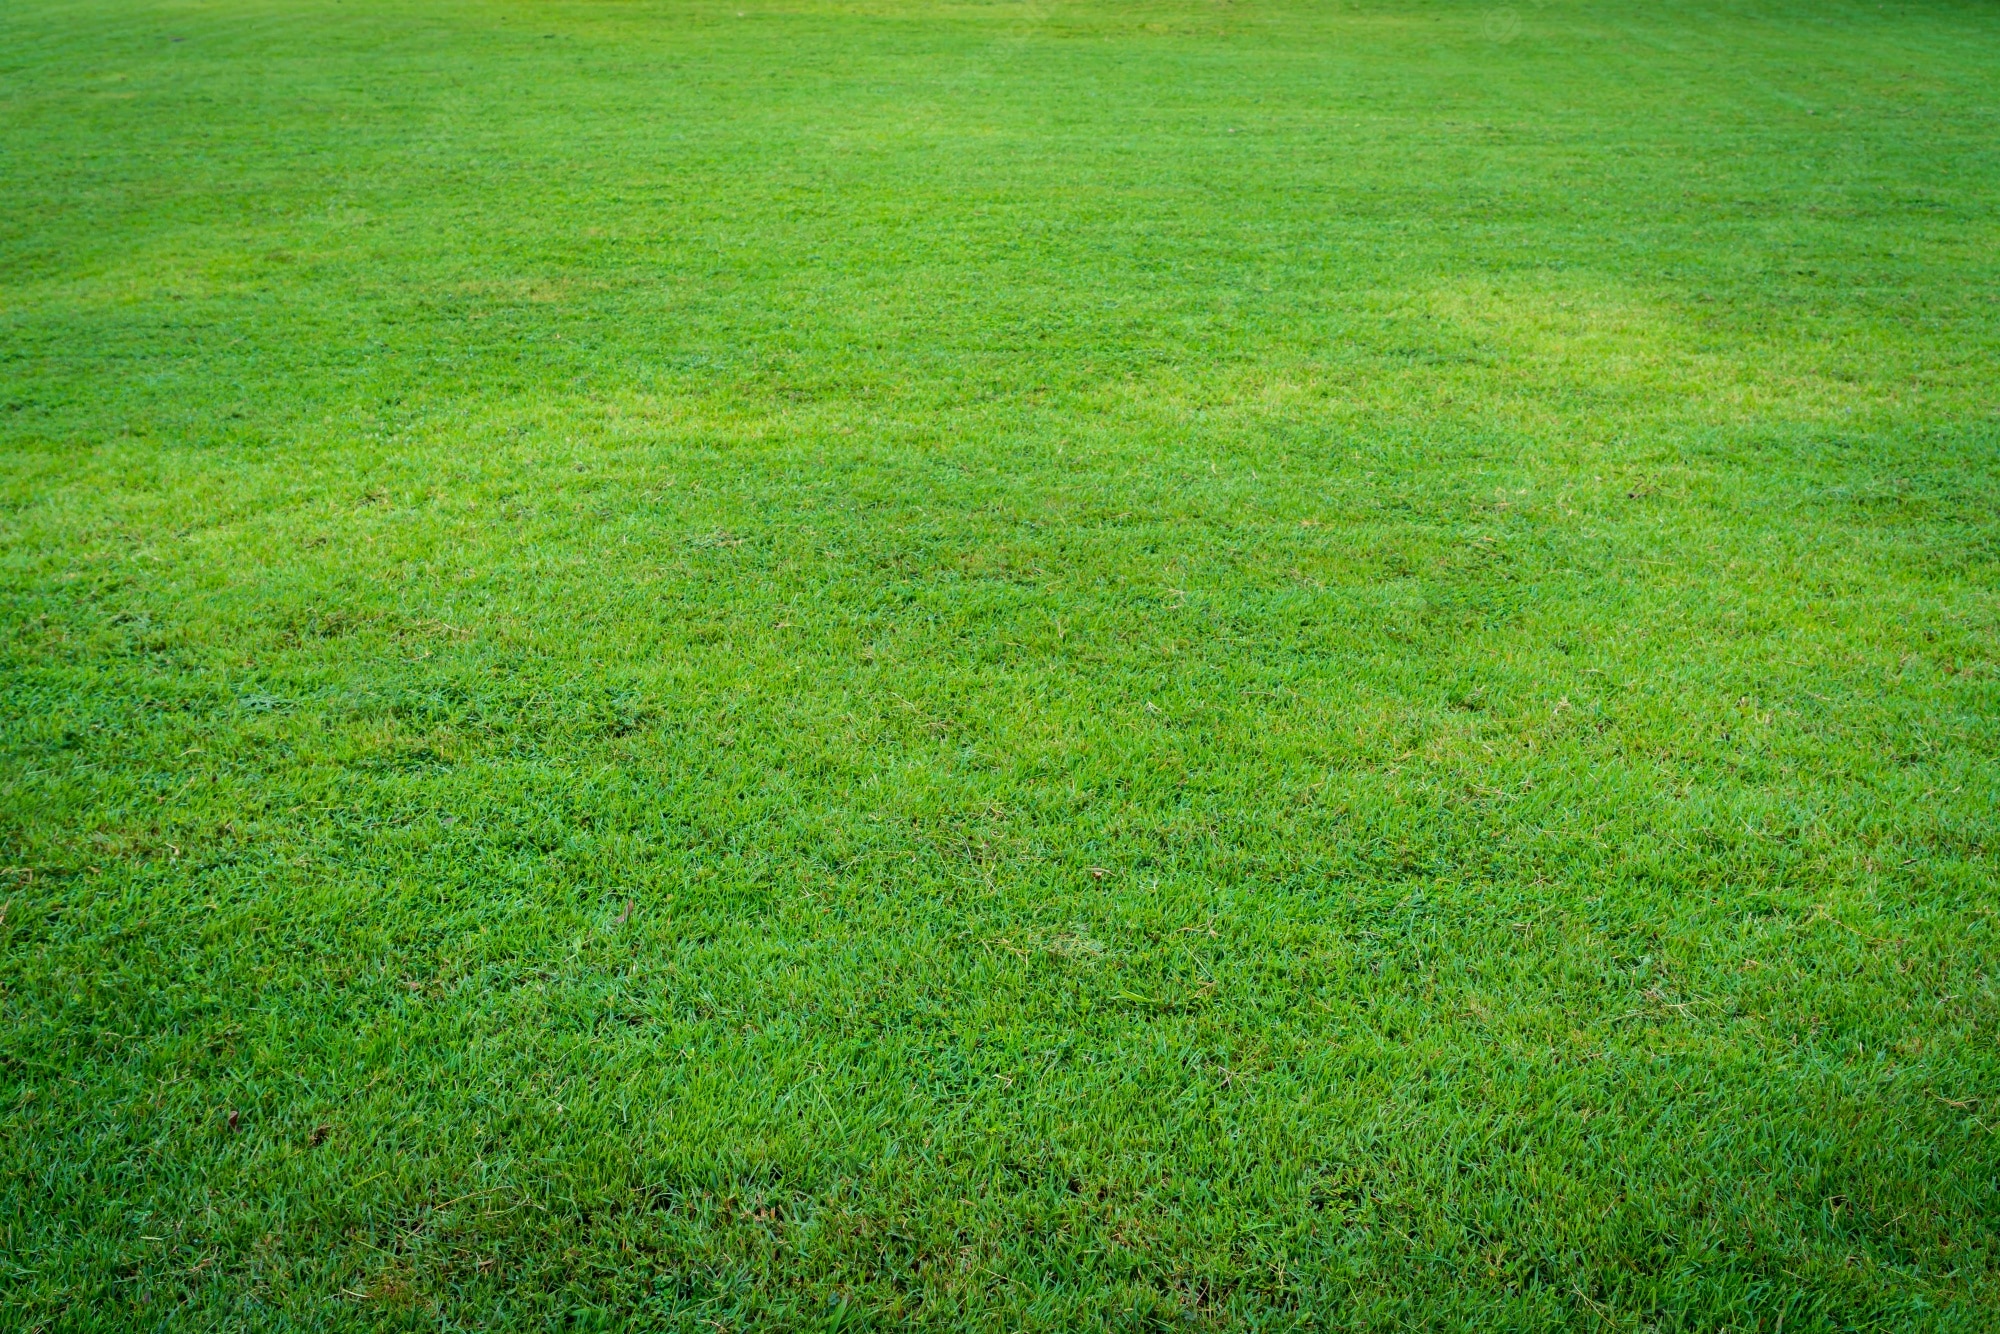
(1023, 665)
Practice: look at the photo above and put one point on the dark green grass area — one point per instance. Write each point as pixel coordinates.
(1007, 666)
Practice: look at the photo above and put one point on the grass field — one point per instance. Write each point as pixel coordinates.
(1018, 666)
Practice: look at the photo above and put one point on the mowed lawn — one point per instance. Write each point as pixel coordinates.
(1019, 666)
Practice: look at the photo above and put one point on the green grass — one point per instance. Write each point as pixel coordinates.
(1014, 666)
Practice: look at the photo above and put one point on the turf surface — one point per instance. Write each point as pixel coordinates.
(1021, 665)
